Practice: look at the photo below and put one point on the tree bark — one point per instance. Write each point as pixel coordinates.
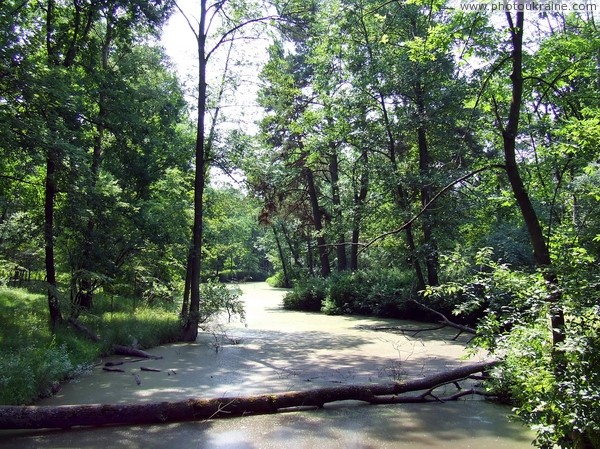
(541, 252)
(431, 256)
(318, 222)
(50, 192)
(192, 319)
(67, 416)
(340, 247)
(359, 200)
(286, 275)
(50, 189)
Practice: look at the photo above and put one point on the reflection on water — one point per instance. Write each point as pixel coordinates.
(282, 351)
(468, 424)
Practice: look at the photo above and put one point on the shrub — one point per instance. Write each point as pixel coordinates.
(555, 389)
(277, 280)
(219, 299)
(307, 295)
(380, 293)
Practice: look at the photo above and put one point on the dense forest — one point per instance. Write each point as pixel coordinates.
(407, 154)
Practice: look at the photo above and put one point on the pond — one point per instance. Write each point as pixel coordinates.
(281, 351)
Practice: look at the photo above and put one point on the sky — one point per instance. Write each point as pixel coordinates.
(240, 109)
(179, 41)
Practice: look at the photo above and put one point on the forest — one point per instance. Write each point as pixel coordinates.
(405, 158)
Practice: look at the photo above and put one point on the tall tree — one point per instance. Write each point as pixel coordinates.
(235, 18)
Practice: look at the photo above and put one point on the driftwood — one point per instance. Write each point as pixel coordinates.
(66, 416)
(128, 350)
(83, 329)
(113, 370)
(147, 368)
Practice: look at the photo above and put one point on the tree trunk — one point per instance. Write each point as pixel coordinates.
(541, 252)
(67, 416)
(192, 319)
(359, 199)
(286, 275)
(414, 260)
(50, 192)
(340, 247)
(318, 222)
(291, 246)
(83, 298)
(431, 256)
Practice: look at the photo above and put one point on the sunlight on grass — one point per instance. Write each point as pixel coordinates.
(33, 360)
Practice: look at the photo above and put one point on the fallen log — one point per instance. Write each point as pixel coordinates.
(147, 368)
(83, 329)
(133, 352)
(113, 370)
(67, 416)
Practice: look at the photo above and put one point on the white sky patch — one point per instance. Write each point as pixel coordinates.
(238, 109)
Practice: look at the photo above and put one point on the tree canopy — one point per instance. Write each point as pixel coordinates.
(405, 150)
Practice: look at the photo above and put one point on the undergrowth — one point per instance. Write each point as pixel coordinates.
(33, 360)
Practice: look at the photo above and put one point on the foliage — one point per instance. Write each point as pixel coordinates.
(560, 400)
(277, 280)
(231, 232)
(220, 300)
(307, 295)
(381, 293)
(33, 360)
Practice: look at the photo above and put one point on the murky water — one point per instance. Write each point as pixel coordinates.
(283, 351)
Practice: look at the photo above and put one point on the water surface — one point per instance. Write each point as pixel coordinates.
(282, 351)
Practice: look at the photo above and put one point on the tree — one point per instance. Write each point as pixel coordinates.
(235, 18)
(52, 66)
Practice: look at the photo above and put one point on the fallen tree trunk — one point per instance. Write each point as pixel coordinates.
(128, 350)
(83, 329)
(66, 416)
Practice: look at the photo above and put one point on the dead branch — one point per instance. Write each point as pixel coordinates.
(83, 329)
(444, 320)
(128, 350)
(67, 416)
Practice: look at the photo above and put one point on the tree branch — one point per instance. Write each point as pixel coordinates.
(67, 416)
(433, 199)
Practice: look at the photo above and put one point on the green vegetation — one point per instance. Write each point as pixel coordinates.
(382, 293)
(405, 150)
(33, 360)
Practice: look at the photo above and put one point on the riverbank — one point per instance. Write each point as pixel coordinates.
(34, 361)
(282, 351)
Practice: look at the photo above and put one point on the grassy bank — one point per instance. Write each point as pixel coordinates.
(33, 360)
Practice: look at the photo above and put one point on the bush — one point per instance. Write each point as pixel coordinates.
(277, 280)
(554, 389)
(219, 299)
(307, 295)
(381, 293)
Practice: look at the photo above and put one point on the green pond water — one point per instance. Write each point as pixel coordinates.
(281, 351)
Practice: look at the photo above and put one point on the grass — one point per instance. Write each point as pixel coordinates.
(33, 359)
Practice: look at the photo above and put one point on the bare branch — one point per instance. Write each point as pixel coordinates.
(233, 30)
(428, 205)
(445, 320)
(192, 27)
